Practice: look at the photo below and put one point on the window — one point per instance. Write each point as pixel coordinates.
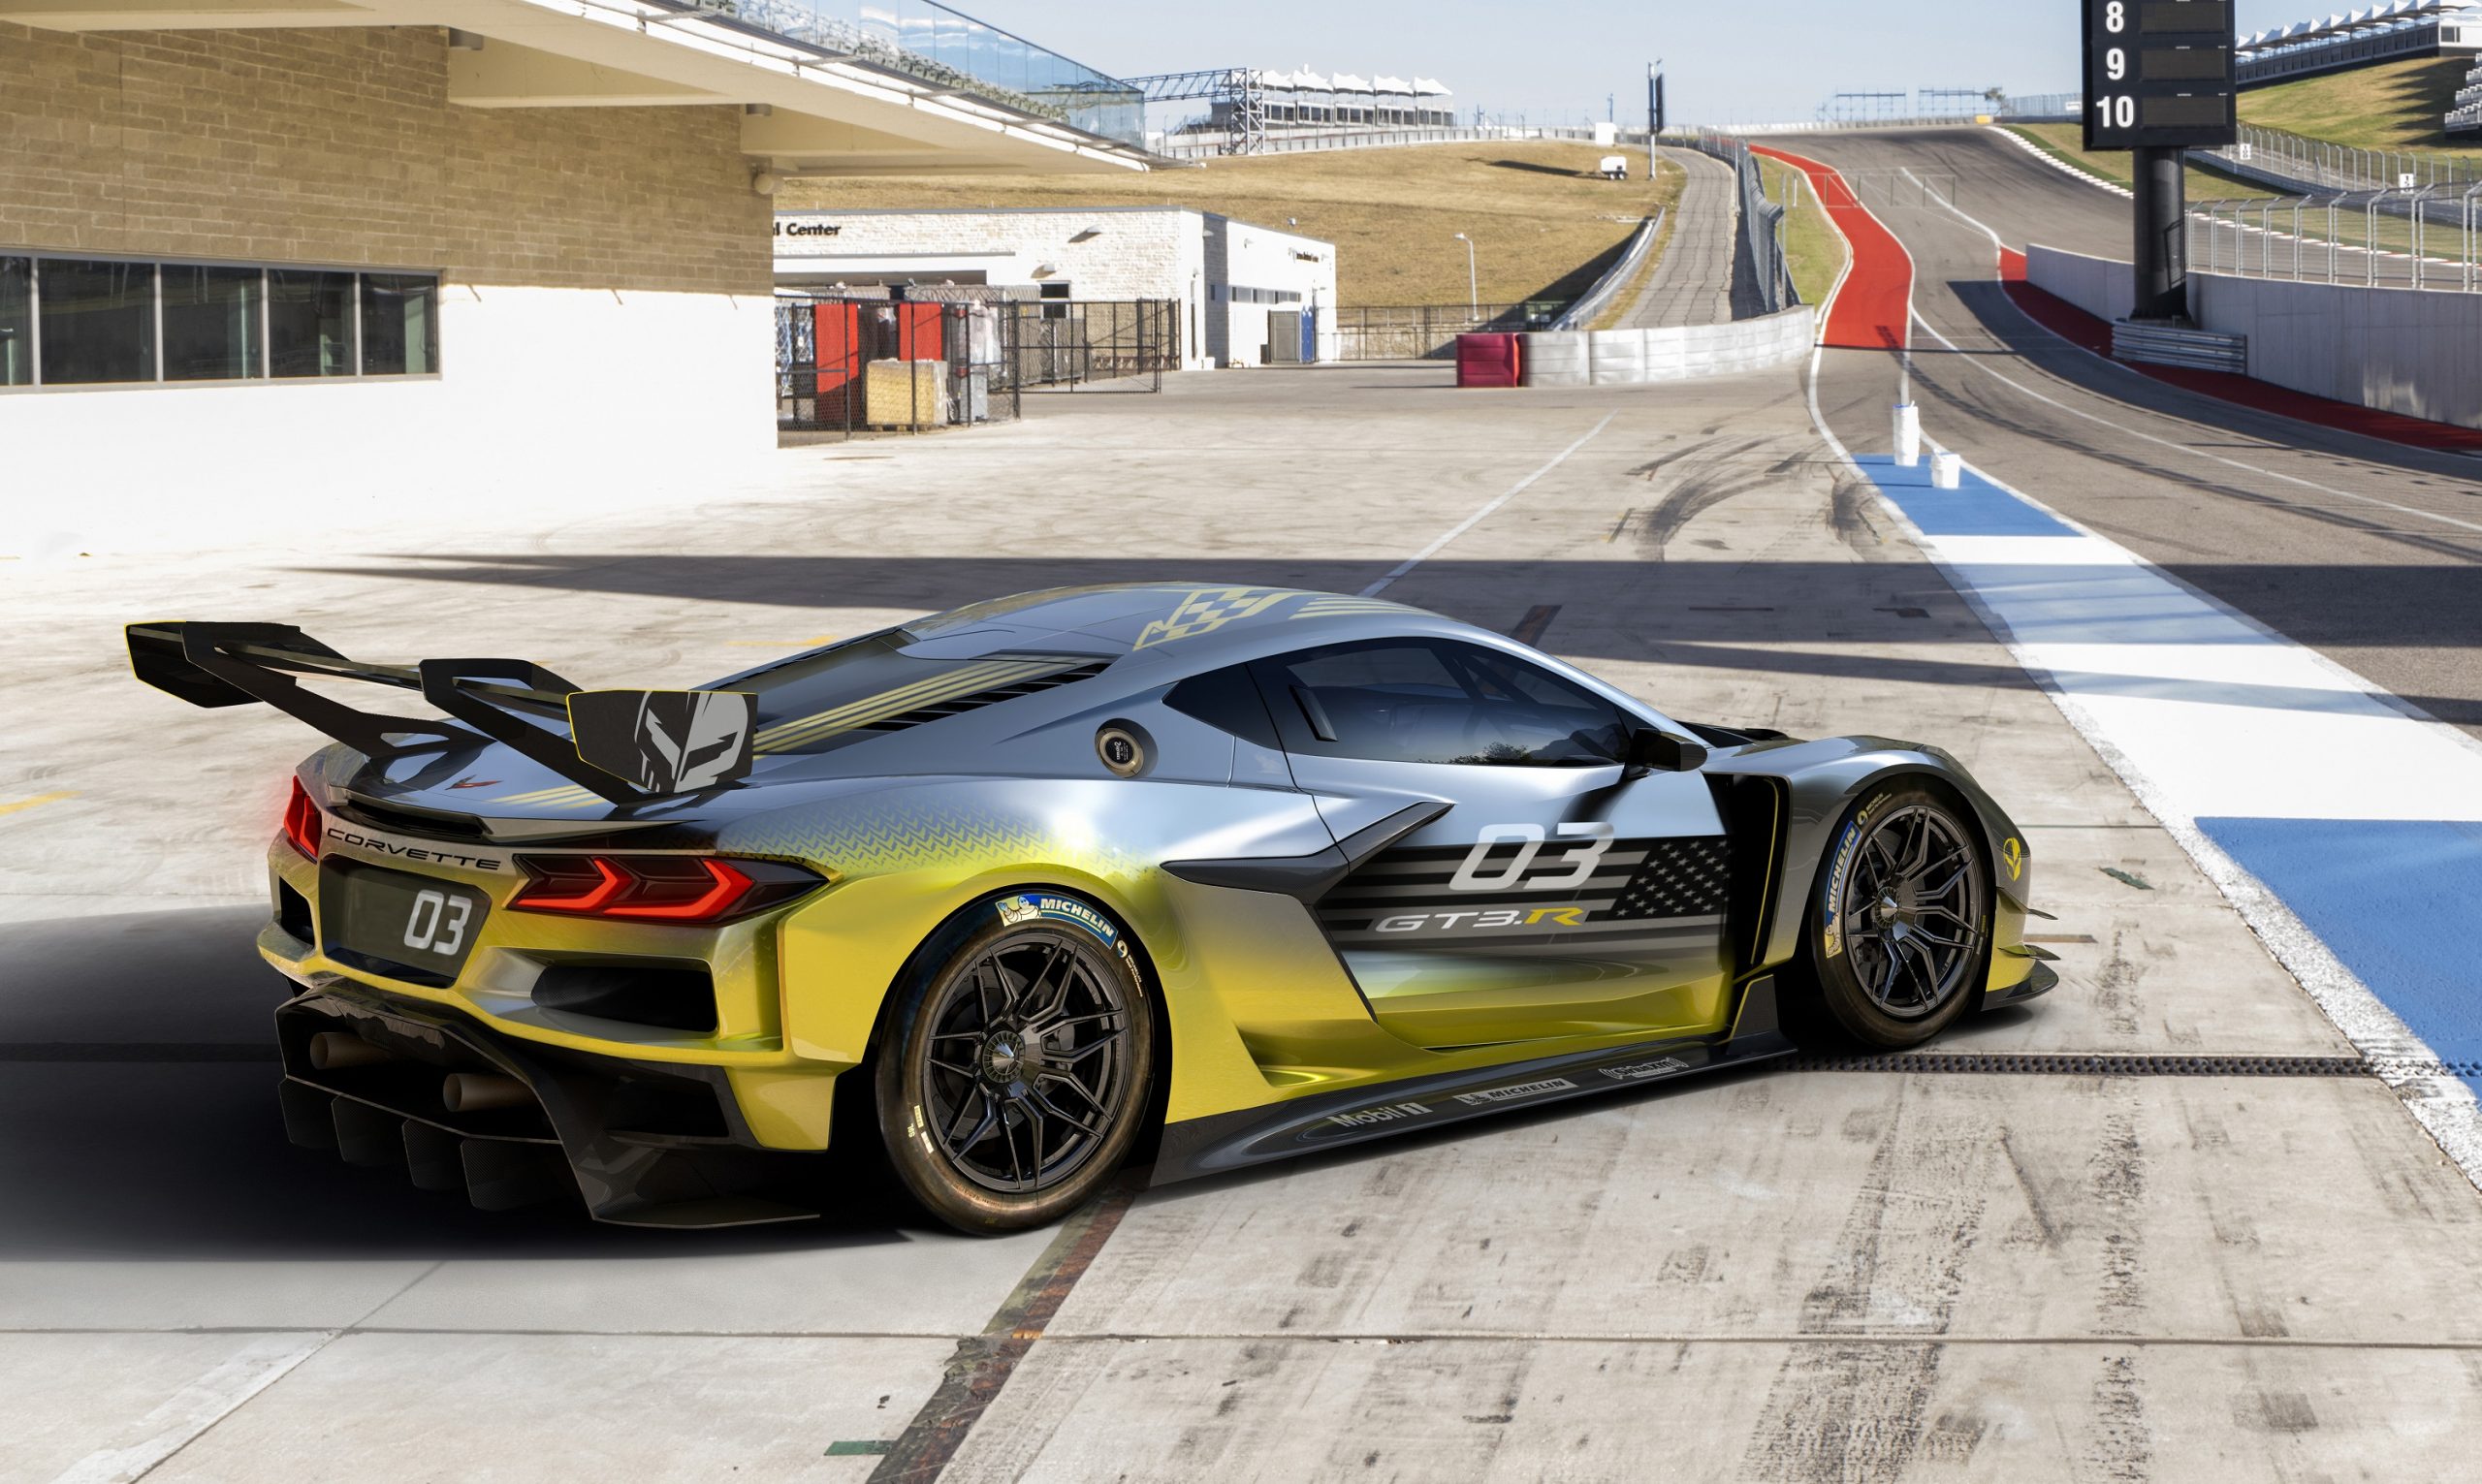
(87, 322)
(211, 322)
(16, 322)
(97, 321)
(400, 324)
(309, 323)
(1438, 702)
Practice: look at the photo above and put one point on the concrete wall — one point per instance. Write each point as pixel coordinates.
(2417, 352)
(2100, 286)
(1099, 252)
(2400, 350)
(1675, 353)
(605, 279)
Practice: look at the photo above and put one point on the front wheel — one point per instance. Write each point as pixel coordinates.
(1017, 1068)
(1901, 925)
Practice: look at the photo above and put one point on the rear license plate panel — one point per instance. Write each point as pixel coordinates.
(416, 927)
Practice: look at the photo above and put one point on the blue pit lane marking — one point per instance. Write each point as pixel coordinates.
(2398, 901)
(1977, 507)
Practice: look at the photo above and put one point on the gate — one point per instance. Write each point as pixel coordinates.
(848, 364)
(1075, 341)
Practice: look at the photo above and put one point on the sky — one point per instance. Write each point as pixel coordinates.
(1742, 61)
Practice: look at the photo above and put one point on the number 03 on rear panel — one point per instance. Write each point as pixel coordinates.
(2160, 74)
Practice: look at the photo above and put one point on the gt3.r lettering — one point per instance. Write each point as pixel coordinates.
(1497, 917)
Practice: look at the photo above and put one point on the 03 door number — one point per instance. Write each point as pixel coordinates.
(437, 922)
(1478, 874)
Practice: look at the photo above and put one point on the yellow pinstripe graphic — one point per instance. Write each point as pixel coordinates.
(569, 797)
(964, 681)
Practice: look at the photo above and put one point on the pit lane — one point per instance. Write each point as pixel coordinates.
(2066, 1274)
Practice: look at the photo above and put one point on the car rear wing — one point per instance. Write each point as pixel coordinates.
(625, 745)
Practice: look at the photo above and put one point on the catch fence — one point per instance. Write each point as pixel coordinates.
(1761, 223)
(1429, 332)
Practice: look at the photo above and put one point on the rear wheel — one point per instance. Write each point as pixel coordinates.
(1017, 1070)
(1901, 925)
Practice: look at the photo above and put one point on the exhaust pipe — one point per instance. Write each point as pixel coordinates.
(480, 1091)
(330, 1049)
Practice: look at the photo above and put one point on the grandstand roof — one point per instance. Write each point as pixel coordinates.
(2368, 18)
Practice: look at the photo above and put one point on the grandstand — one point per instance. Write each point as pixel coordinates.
(2377, 33)
(1247, 106)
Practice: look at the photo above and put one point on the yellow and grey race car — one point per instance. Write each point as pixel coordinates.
(1185, 875)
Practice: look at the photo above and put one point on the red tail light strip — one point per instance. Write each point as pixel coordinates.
(303, 822)
(657, 888)
(611, 883)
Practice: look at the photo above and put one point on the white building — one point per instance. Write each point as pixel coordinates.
(320, 257)
(1242, 289)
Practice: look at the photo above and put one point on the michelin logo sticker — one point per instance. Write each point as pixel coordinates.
(1029, 907)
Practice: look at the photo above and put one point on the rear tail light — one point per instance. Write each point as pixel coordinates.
(301, 821)
(657, 888)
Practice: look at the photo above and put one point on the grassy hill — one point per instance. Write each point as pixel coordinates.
(2392, 106)
(1542, 226)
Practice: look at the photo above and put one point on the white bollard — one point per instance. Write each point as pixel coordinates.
(1947, 470)
(1908, 435)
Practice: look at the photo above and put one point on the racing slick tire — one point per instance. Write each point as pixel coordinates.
(1899, 924)
(1019, 1063)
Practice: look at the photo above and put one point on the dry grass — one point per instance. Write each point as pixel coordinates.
(2392, 106)
(1813, 249)
(1544, 227)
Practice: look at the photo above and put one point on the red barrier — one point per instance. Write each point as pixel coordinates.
(1488, 360)
(1874, 309)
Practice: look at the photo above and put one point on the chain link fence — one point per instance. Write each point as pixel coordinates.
(848, 365)
(1429, 332)
(1761, 248)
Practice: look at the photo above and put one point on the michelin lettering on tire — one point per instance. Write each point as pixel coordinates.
(1831, 923)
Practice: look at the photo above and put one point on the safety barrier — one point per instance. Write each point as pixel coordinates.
(1585, 311)
(2392, 349)
(2199, 350)
(1620, 358)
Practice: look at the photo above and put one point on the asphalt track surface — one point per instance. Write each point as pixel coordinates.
(2115, 1255)
(2368, 551)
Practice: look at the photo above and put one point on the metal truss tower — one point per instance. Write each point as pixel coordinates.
(1234, 90)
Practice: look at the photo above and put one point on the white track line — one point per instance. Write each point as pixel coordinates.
(203, 1402)
(2444, 1107)
(1479, 516)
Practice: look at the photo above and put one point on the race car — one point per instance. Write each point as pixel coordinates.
(1180, 877)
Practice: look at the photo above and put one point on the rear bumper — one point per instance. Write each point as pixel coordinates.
(641, 1144)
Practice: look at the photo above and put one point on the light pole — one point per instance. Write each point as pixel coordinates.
(1473, 293)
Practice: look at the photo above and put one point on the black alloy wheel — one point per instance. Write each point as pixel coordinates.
(1021, 1075)
(1901, 937)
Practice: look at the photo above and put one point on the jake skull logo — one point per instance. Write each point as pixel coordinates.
(665, 742)
(2012, 853)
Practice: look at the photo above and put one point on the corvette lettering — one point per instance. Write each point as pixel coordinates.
(398, 849)
(1495, 918)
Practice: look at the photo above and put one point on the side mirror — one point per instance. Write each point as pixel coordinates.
(1652, 751)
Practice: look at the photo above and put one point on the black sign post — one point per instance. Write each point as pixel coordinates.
(2161, 79)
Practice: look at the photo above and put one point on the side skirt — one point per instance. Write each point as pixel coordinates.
(1229, 1141)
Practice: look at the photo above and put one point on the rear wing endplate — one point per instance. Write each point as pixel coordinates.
(627, 747)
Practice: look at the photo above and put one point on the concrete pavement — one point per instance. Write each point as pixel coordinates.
(1779, 1276)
